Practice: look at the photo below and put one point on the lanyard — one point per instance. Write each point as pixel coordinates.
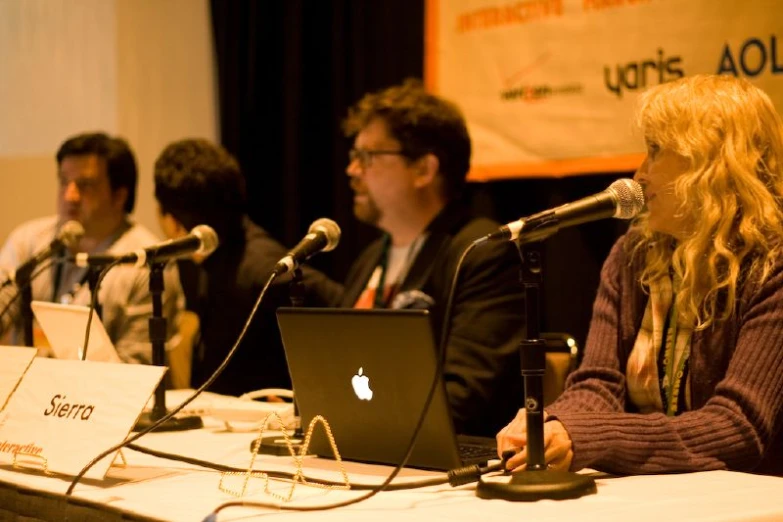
(379, 301)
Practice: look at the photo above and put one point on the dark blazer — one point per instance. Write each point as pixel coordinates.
(482, 371)
(223, 290)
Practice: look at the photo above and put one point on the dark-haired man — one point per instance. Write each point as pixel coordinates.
(196, 182)
(97, 179)
(407, 169)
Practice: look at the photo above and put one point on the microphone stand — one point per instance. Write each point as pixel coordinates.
(93, 273)
(535, 482)
(23, 279)
(24, 284)
(297, 296)
(157, 329)
(274, 445)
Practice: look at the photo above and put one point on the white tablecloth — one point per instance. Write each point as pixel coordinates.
(168, 490)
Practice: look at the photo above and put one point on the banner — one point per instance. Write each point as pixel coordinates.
(549, 87)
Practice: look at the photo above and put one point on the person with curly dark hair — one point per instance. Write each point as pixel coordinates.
(407, 169)
(199, 182)
(97, 179)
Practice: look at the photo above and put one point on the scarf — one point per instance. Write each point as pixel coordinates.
(657, 368)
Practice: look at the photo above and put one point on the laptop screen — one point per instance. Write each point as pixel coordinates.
(368, 372)
(65, 326)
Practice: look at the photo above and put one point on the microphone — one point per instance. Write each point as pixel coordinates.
(67, 237)
(624, 199)
(322, 236)
(202, 240)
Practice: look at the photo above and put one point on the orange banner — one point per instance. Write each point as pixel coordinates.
(549, 87)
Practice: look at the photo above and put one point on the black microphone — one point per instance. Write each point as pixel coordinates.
(624, 199)
(67, 237)
(202, 240)
(322, 236)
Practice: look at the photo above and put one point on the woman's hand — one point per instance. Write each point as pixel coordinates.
(557, 444)
(514, 436)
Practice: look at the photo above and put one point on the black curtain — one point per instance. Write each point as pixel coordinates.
(287, 72)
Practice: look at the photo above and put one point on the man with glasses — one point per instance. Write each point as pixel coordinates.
(407, 169)
(97, 187)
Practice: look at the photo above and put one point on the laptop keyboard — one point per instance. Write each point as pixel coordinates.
(476, 451)
(470, 453)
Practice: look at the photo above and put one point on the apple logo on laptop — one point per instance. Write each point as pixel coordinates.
(361, 386)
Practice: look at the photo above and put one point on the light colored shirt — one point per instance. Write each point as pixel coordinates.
(399, 260)
(123, 294)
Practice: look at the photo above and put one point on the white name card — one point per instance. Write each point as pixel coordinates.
(14, 361)
(64, 413)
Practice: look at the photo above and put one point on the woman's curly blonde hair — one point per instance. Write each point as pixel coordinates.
(732, 136)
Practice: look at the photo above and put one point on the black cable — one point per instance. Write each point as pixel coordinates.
(433, 387)
(9, 280)
(94, 303)
(190, 399)
(455, 477)
(18, 293)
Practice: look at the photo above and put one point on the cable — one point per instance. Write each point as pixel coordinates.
(94, 303)
(190, 399)
(433, 387)
(18, 294)
(9, 279)
(455, 477)
(460, 474)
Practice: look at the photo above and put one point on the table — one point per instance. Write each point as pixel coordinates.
(150, 488)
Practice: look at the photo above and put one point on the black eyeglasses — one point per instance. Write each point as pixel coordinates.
(365, 155)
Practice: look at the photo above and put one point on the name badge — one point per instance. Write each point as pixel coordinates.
(65, 412)
(15, 361)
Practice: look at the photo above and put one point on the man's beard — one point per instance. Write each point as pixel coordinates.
(367, 211)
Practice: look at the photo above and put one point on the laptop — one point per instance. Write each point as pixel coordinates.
(64, 327)
(368, 372)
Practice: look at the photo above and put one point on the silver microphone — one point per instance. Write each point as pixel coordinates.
(202, 240)
(623, 199)
(322, 236)
(67, 237)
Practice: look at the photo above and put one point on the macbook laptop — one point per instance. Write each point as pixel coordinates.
(368, 372)
(64, 327)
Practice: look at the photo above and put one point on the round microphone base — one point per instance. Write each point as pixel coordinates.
(147, 419)
(529, 486)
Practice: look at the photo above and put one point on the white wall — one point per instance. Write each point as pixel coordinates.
(141, 69)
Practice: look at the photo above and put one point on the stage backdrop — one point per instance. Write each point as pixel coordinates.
(549, 86)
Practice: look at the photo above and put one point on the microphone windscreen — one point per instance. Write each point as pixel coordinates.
(209, 239)
(70, 233)
(330, 229)
(629, 196)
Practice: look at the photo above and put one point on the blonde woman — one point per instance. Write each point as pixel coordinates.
(683, 366)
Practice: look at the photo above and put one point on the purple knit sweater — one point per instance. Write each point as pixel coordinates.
(736, 370)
